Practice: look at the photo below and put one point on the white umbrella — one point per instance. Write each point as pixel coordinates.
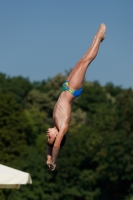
(13, 178)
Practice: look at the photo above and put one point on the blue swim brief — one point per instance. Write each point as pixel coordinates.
(75, 93)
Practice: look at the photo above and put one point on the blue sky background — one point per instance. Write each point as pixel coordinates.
(39, 39)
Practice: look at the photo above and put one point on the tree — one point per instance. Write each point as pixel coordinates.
(13, 143)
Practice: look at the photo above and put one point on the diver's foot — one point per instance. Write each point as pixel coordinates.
(101, 32)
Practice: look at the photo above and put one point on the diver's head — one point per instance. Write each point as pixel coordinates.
(52, 134)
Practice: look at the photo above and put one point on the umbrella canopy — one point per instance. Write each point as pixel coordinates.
(13, 178)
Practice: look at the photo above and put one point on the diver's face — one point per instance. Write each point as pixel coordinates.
(51, 135)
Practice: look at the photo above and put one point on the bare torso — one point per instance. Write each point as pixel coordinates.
(62, 110)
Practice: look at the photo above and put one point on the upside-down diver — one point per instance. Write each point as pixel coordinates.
(71, 89)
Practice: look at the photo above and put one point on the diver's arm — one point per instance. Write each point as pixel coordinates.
(57, 143)
(48, 153)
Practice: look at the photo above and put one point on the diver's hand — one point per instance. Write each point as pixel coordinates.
(52, 166)
(48, 162)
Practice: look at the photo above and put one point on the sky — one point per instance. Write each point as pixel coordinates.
(39, 39)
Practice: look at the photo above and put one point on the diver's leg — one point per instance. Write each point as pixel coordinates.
(77, 75)
(76, 66)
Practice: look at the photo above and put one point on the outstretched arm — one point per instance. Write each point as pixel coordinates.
(48, 153)
(56, 147)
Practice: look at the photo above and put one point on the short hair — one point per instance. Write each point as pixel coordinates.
(61, 144)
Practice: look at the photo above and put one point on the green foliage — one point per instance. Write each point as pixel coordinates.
(18, 85)
(12, 129)
(97, 161)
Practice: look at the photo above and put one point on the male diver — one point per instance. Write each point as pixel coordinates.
(71, 89)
